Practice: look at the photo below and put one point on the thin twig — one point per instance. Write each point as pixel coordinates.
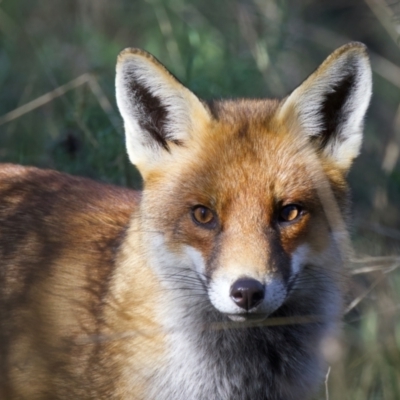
(376, 260)
(105, 104)
(367, 270)
(392, 151)
(384, 15)
(383, 230)
(258, 49)
(380, 65)
(358, 299)
(44, 99)
(276, 321)
(166, 28)
(326, 383)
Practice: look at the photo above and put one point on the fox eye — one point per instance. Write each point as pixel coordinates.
(289, 213)
(204, 217)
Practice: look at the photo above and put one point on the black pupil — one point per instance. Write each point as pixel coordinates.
(203, 214)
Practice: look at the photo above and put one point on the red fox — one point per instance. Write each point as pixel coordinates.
(220, 280)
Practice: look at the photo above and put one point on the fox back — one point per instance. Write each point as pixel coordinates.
(220, 280)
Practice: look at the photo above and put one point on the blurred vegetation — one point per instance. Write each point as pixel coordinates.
(248, 48)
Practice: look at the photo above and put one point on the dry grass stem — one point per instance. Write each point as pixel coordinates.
(105, 104)
(380, 65)
(326, 383)
(44, 99)
(362, 296)
(385, 16)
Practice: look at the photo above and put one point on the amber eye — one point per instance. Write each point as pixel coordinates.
(289, 213)
(204, 216)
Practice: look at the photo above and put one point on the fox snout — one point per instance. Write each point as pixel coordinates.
(247, 293)
(247, 297)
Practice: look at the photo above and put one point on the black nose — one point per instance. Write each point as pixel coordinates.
(247, 293)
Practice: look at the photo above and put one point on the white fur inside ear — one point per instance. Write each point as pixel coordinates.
(157, 109)
(347, 64)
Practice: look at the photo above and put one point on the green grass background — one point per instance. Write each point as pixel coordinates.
(252, 48)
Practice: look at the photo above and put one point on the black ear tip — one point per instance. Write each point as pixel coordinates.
(355, 45)
(128, 52)
(352, 51)
(132, 52)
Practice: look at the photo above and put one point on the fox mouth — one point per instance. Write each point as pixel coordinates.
(243, 317)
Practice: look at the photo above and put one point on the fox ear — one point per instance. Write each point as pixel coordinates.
(330, 105)
(158, 111)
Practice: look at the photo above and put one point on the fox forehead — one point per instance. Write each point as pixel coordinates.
(245, 155)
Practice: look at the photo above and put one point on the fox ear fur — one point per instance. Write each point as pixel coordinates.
(330, 105)
(158, 111)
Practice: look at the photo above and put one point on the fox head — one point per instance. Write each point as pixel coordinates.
(248, 196)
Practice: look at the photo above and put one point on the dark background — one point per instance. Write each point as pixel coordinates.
(253, 48)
